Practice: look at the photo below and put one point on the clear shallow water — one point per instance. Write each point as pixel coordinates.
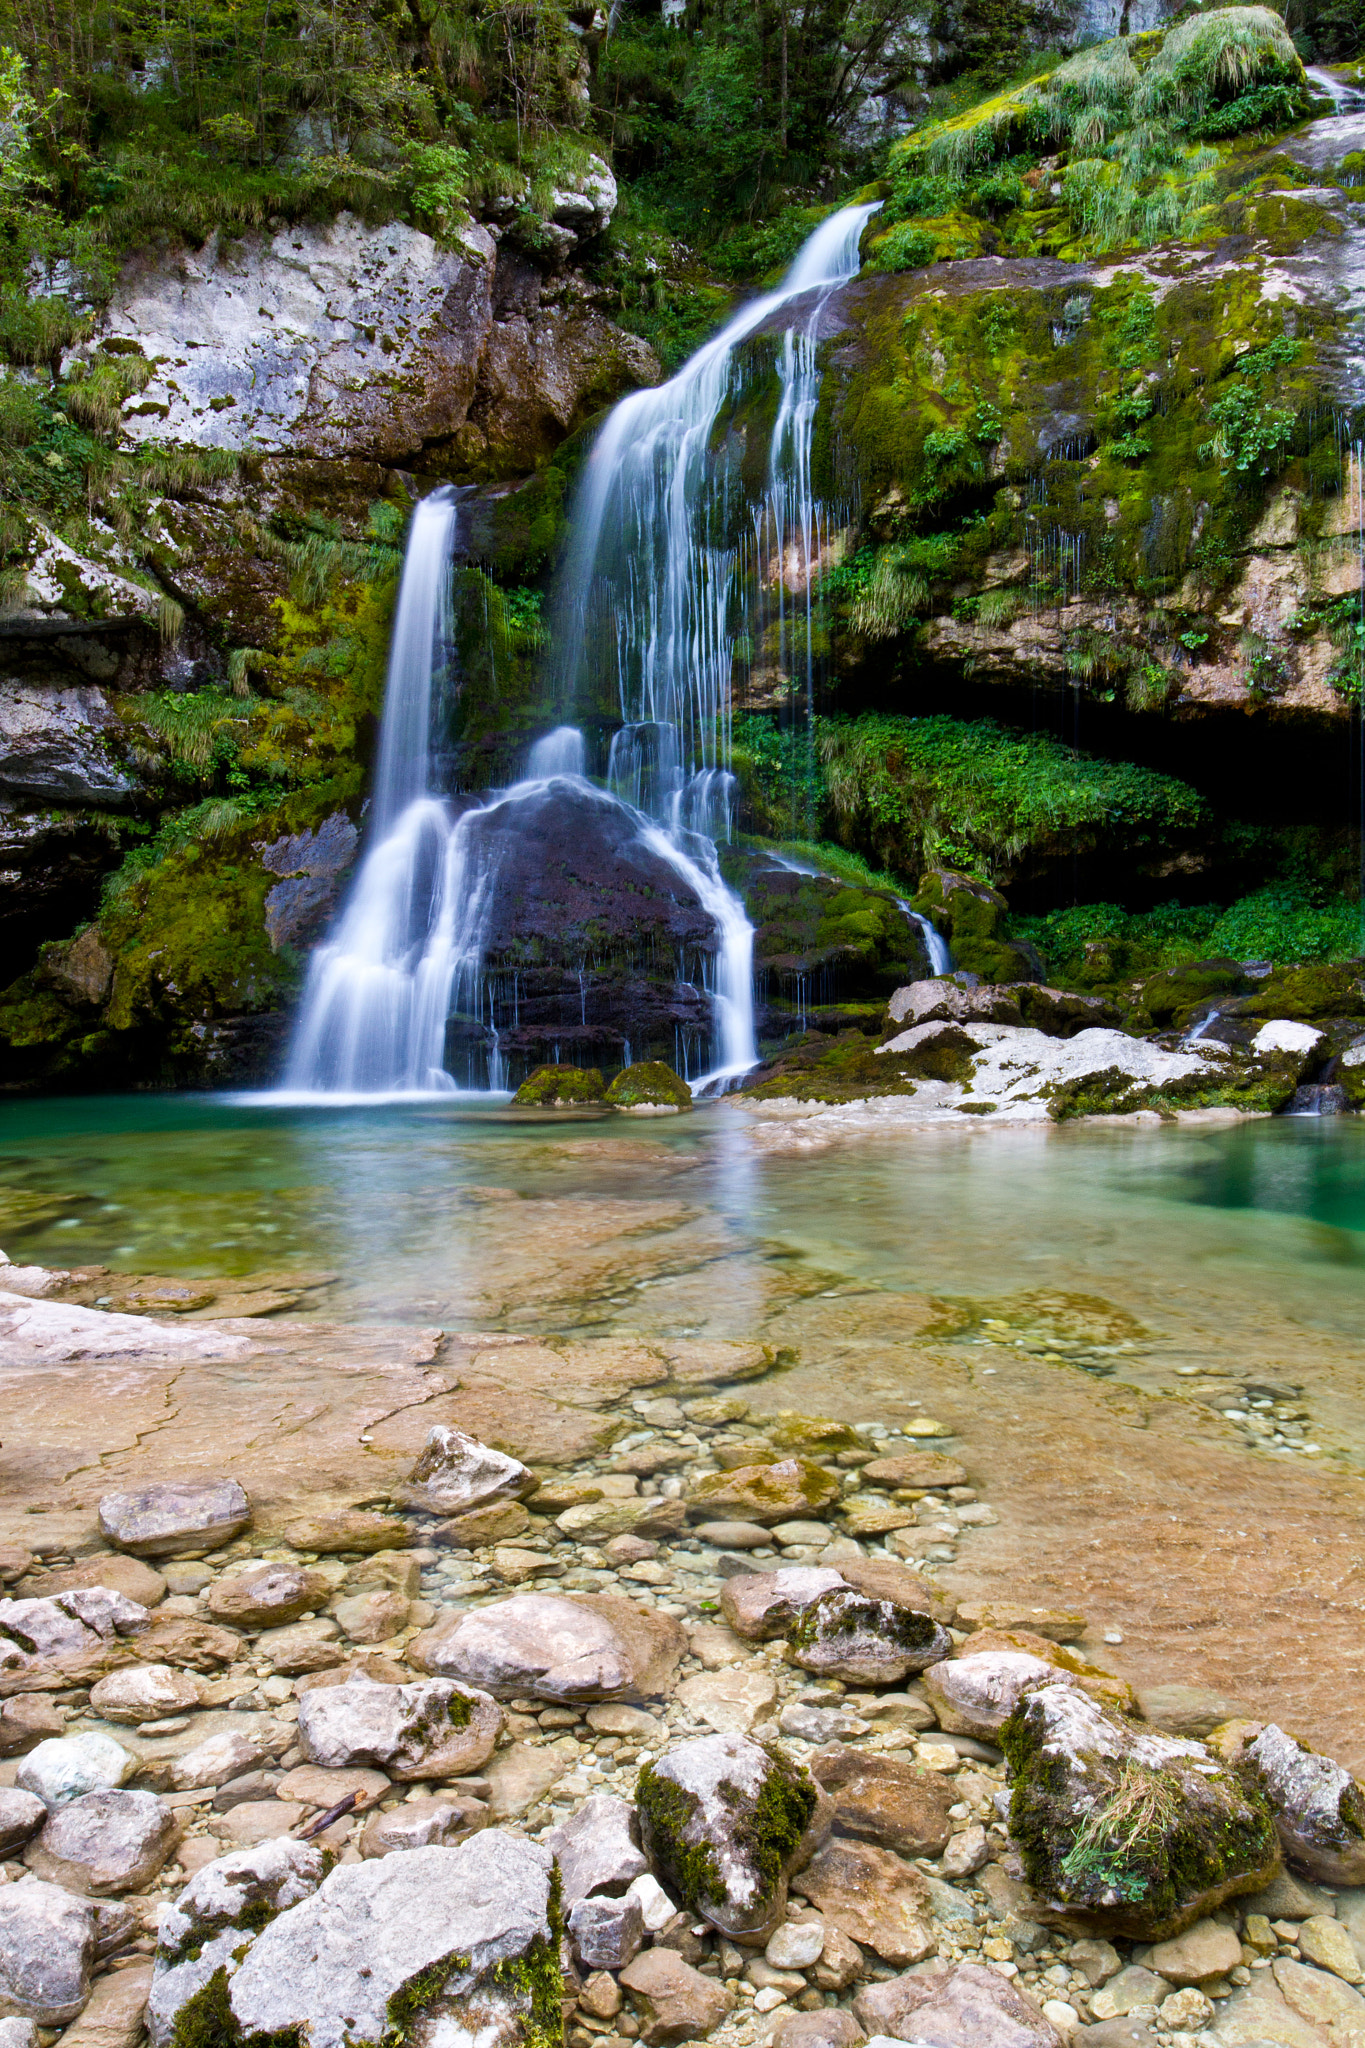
(452, 1211)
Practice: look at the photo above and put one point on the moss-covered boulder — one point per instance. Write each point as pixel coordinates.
(840, 1066)
(1319, 1807)
(724, 1822)
(649, 1088)
(1170, 998)
(213, 1923)
(1309, 993)
(863, 1641)
(972, 917)
(1139, 1834)
(560, 1088)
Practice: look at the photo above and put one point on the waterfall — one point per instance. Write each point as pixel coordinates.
(648, 566)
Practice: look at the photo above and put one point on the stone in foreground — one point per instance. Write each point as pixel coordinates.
(432, 1729)
(167, 1521)
(456, 1472)
(606, 1933)
(874, 1897)
(144, 1692)
(215, 1920)
(847, 1635)
(964, 2006)
(761, 1605)
(446, 1945)
(21, 1815)
(764, 1493)
(884, 1799)
(47, 1951)
(676, 2002)
(1319, 1808)
(1138, 1833)
(69, 1766)
(105, 1842)
(724, 1822)
(596, 1848)
(554, 1648)
(975, 1694)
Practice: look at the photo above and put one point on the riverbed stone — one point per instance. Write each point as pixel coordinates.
(1324, 1941)
(762, 1605)
(265, 1595)
(975, 1694)
(885, 1578)
(441, 1934)
(131, 1576)
(501, 1522)
(961, 2005)
(606, 1932)
(26, 1720)
(598, 1521)
(328, 1530)
(1321, 1998)
(456, 1473)
(422, 1823)
(733, 1535)
(105, 1842)
(216, 1759)
(767, 1494)
(676, 2002)
(144, 1692)
(832, 2027)
(302, 1647)
(47, 1952)
(1318, 1806)
(967, 1852)
(21, 1815)
(519, 1776)
(66, 1631)
(845, 1634)
(1208, 1949)
(217, 1917)
(919, 1471)
(597, 1848)
(1059, 1625)
(170, 1519)
(731, 1702)
(433, 1728)
(69, 1766)
(114, 2016)
(551, 1647)
(1168, 1834)
(884, 1799)
(879, 1900)
(697, 1809)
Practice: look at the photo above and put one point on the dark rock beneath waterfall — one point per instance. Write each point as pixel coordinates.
(818, 940)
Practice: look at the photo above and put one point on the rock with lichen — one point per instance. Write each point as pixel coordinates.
(456, 1472)
(846, 1634)
(1138, 1834)
(210, 1928)
(724, 1822)
(1319, 1807)
(432, 1729)
(787, 1490)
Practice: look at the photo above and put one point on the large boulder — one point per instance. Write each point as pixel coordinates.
(962, 2006)
(47, 1951)
(442, 1944)
(432, 1729)
(105, 1842)
(170, 1520)
(217, 1917)
(456, 1472)
(724, 1822)
(69, 1766)
(555, 1648)
(845, 1634)
(1319, 1808)
(1138, 1833)
(792, 1489)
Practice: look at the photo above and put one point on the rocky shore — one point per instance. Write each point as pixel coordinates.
(679, 1736)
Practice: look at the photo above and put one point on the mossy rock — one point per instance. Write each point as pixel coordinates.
(649, 1088)
(1310, 993)
(817, 1068)
(973, 918)
(723, 1822)
(560, 1088)
(1170, 996)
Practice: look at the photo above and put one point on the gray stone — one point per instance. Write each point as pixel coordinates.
(820, 1724)
(555, 1648)
(265, 1595)
(761, 1605)
(1127, 1990)
(144, 1692)
(1193, 1710)
(967, 1851)
(47, 1950)
(1199, 1838)
(456, 1472)
(105, 1842)
(1319, 1808)
(432, 1729)
(333, 1964)
(17, 2033)
(55, 744)
(71, 1624)
(69, 1766)
(731, 1702)
(420, 1823)
(218, 1915)
(216, 1760)
(164, 1521)
(302, 1647)
(958, 2006)
(832, 2028)
(676, 2002)
(597, 1848)
(606, 1933)
(796, 1944)
(848, 1635)
(717, 1782)
(21, 1815)
(976, 1694)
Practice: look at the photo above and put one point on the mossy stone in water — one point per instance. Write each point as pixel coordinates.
(724, 1822)
(971, 916)
(1140, 1834)
(650, 1086)
(560, 1088)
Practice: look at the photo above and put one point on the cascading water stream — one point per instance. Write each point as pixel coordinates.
(650, 566)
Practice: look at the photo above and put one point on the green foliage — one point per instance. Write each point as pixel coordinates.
(202, 729)
(935, 791)
(1281, 923)
(1250, 433)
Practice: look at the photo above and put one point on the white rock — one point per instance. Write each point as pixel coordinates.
(796, 1944)
(333, 1964)
(655, 1904)
(456, 1472)
(158, 1521)
(66, 1767)
(730, 1701)
(209, 1919)
(144, 1692)
(60, 1333)
(597, 1848)
(410, 1731)
(1283, 1034)
(1319, 1808)
(71, 1624)
(17, 2033)
(215, 1760)
(553, 1647)
(47, 1950)
(976, 1694)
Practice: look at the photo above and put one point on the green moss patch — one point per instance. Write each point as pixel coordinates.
(560, 1088)
(651, 1084)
